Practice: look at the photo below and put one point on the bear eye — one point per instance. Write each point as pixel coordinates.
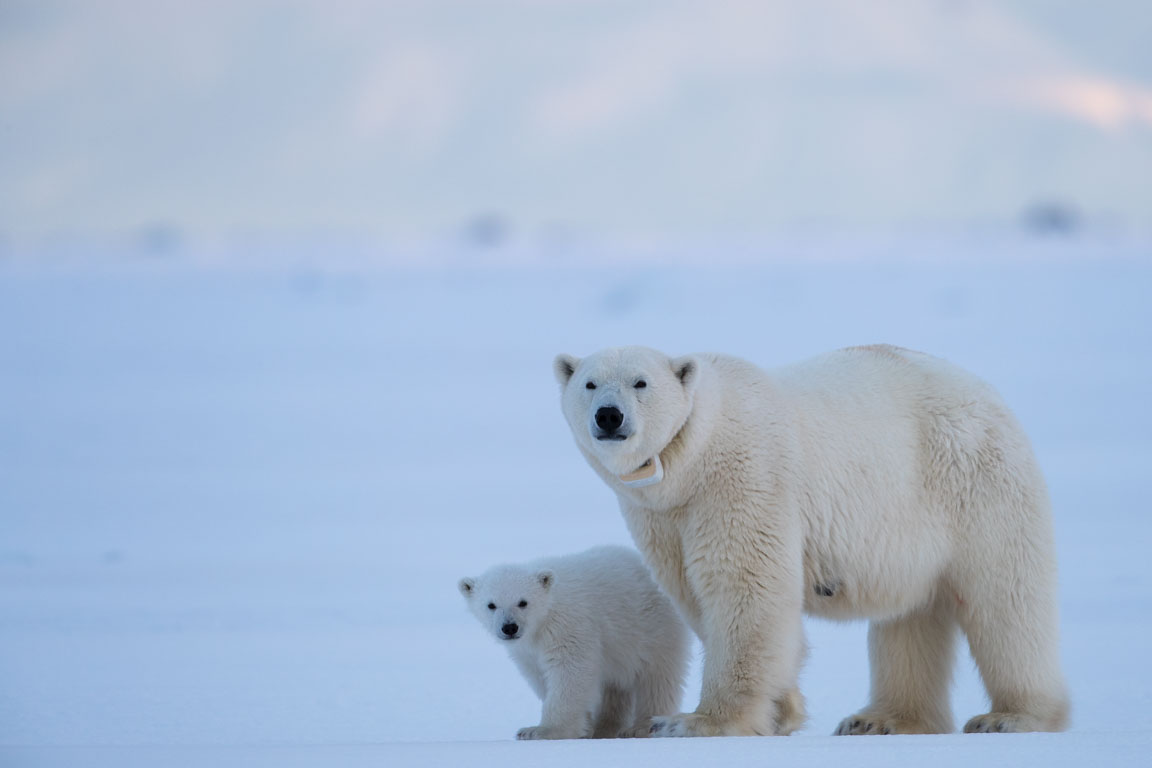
(641, 384)
(523, 603)
(589, 385)
(491, 606)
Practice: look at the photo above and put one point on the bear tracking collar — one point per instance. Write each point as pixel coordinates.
(649, 473)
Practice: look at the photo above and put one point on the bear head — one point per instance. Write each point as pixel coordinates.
(625, 404)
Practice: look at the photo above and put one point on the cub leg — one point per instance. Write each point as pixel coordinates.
(615, 713)
(790, 713)
(657, 693)
(573, 694)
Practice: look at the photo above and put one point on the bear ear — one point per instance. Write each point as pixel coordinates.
(545, 578)
(467, 587)
(687, 369)
(564, 366)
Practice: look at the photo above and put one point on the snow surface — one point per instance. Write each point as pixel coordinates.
(234, 503)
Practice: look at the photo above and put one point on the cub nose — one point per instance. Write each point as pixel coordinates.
(609, 418)
(509, 629)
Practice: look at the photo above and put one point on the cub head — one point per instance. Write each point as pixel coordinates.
(625, 405)
(509, 601)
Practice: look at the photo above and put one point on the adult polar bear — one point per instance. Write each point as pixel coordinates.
(872, 482)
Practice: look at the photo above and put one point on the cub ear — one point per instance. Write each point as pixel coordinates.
(564, 366)
(467, 587)
(687, 369)
(545, 578)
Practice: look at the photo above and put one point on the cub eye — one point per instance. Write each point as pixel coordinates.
(491, 606)
(589, 385)
(523, 604)
(641, 384)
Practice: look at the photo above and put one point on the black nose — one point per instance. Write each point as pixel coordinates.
(510, 629)
(609, 418)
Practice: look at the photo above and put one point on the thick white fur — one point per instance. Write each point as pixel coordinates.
(872, 482)
(598, 642)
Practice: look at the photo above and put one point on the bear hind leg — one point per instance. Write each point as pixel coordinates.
(911, 662)
(1014, 643)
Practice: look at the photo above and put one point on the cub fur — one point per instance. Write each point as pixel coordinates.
(592, 634)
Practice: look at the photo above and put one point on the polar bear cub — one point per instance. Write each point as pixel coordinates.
(869, 483)
(592, 634)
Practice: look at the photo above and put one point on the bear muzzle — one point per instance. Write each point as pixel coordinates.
(609, 423)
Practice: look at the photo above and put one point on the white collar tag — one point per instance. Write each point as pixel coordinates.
(649, 473)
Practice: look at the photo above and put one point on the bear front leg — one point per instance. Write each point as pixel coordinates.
(741, 694)
(573, 693)
(750, 604)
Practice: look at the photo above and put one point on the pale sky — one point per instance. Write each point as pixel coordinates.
(665, 118)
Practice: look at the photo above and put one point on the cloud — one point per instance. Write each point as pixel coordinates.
(410, 91)
(1109, 105)
(414, 113)
(960, 52)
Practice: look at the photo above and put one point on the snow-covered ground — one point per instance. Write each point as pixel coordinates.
(234, 503)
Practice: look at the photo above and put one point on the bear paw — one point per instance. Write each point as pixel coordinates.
(536, 732)
(1003, 722)
(687, 725)
(870, 724)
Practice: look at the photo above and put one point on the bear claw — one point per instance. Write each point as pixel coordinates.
(878, 726)
(1002, 722)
